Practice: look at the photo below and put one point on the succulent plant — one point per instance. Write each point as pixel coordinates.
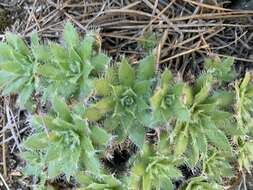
(124, 99)
(154, 168)
(95, 103)
(68, 145)
(50, 69)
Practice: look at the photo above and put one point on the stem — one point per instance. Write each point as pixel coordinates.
(4, 150)
(4, 182)
(4, 157)
(244, 181)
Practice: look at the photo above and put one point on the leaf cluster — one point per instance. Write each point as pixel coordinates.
(207, 124)
(50, 69)
(68, 146)
(124, 99)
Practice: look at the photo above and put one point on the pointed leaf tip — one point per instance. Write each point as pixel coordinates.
(166, 77)
(70, 35)
(100, 136)
(100, 61)
(62, 109)
(146, 68)
(126, 73)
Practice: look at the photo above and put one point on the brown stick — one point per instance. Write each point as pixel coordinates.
(4, 157)
(183, 53)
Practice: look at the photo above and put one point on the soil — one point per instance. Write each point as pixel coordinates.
(14, 164)
(117, 158)
(5, 19)
(242, 4)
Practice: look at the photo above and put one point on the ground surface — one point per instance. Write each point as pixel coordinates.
(188, 31)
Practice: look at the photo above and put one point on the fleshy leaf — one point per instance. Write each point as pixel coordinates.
(181, 142)
(203, 93)
(48, 70)
(100, 136)
(59, 55)
(167, 184)
(181, 112)
(146, 69)
(25, 94)
(137, 135)
(16, 42)
(41, 53)
(53, 169)
(219, 139)
(112, 76)
(102, 87)
(245, 81)
(14, 86)
(156, 99)
(100, 61)
(70, 35)
(53, 153)
(93, 114)
(5, 78)
(142, 88)
(36, 141)
(11, 67)
(5, 52)
(146, 182)
(62, 109)
(105, 105)
(166, 78)
(126, 73)
(91, 162)
(87, 46)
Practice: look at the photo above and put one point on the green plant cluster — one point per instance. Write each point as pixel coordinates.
(50, 69)
(206, 124)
